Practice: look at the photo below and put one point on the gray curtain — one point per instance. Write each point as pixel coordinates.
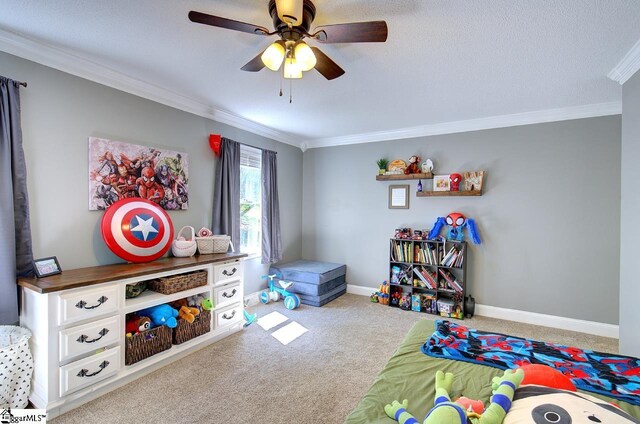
(226, 194)
(271, 240)
(15, 230)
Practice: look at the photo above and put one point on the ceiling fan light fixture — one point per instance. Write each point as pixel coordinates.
(290, 11)
(273, 56)
(292, 69)
(305, 57)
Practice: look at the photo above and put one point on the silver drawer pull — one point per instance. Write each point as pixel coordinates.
(233, 293)
(84, 338)
(83, 305)
(229, 274)
(233, 314)
(85, 372)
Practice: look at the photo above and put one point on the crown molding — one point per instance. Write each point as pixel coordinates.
(66, 61)
(628, 66)
(501, 121)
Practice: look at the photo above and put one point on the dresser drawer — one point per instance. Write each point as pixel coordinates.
(231, 271)
(89, 337)
(228, 293)
(89, 303)
(228, 316)
(88, 371)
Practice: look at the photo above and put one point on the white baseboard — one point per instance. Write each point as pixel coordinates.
(582, 326)
(360, 290)
(252, 298)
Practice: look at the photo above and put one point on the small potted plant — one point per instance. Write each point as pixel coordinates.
(382, 165)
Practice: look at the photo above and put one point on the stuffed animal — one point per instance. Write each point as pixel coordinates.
(200, 301)
(456, 223)
(137, 324)
(188, 313)
(161, 315)
(414, 167)
(446, 412)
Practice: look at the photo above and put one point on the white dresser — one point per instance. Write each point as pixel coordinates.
(78, 323)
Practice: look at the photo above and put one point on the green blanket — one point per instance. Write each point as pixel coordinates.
(410, 374)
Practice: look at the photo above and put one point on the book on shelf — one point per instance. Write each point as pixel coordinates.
(453, 258)
(426, 253)
(426, 277)
(451, 280)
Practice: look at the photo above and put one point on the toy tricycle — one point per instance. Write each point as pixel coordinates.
(291, 300)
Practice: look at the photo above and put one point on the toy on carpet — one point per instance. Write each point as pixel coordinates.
(456, 223)
(200, 301)
(445, 411)
(137, 324)
(291, 300)
(249, 318)
(161, 315)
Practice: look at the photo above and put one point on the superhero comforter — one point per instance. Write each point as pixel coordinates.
(617, 376)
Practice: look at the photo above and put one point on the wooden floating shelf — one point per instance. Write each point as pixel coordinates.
(391, 177)
(448, 193)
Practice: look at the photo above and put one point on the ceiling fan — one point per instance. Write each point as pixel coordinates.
(292, 22)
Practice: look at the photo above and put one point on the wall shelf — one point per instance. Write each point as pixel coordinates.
(448, 193)
(392, 177)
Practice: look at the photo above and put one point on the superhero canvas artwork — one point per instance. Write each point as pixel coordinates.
(119, 170)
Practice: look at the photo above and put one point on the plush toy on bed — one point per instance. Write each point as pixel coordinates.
(445, 411)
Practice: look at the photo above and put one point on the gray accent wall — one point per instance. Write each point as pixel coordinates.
(629, 217)
(549, 216)
(60, 112)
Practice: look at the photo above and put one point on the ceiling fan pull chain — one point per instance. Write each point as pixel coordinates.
(290, 90)
(281, 87)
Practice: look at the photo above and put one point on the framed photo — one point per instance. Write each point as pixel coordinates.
(46, 266)
(399, 196)
(441, 183)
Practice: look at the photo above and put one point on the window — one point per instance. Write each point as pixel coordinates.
(250, 200)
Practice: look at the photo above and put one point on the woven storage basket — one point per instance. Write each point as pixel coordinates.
(184, 248)
(143, 345)
(186, 331)
(213, 244)
(178, 283)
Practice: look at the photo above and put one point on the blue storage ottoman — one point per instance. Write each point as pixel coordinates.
(317, 283)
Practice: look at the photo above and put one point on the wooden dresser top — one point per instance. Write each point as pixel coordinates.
(82, 277)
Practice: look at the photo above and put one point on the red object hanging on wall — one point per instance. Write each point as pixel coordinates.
(215, 141)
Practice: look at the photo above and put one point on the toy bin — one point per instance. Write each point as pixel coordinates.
(16, 367)
(186, 331)
(178, 283)
(147, 343)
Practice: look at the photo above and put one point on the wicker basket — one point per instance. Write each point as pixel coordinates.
(143, 345)
(186, 331)
(178, 283)
(213, 244)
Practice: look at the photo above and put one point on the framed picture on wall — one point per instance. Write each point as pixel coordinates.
(399, 196)
(46, 266)
(441, 183)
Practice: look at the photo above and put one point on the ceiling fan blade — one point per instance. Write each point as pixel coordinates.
(217, 21)
(327, 67)
(254, 65)
(355, 32)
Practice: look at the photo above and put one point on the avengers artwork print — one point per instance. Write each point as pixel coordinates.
(119, 170)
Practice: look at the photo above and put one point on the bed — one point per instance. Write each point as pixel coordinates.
(410, 374)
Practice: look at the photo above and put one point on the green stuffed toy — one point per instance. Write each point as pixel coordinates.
(446, 412)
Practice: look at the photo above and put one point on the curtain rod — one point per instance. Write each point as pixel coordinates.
(24, 84)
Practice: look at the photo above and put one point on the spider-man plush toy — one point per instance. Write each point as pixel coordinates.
(456, 223)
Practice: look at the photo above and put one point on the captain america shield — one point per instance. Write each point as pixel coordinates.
(137, 230)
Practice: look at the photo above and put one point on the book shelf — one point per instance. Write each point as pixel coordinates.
(431, 272)
(393, 177)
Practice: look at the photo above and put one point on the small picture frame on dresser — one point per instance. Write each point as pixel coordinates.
(46, 266)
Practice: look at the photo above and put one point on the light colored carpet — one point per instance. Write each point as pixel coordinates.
(250, 377)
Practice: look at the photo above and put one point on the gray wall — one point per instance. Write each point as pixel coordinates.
(548, 219)
(630, 230)
(60, 112)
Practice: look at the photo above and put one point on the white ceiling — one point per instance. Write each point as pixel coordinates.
(444, 61)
